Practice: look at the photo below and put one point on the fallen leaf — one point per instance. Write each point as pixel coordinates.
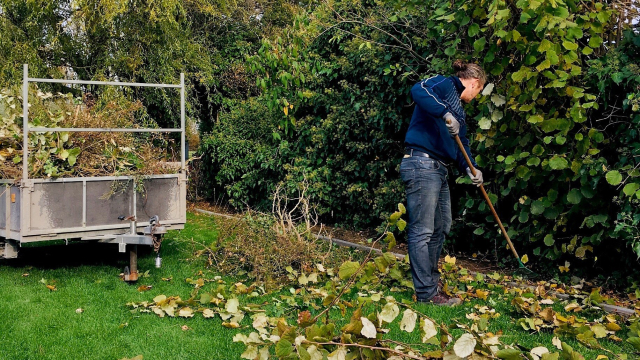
(389, 312)
(139, 357)
(79, 310)
(556, 342)
(613, 327)
(537, 352)
(429, 329)
(185, 312)
(208, 313)
(481, 294)
(599, 331)
(25, 274)
(547, 314)
(368, 329)
(231, 325)
(184, 328)
(450, 260)
(465, 345)
(573, 307)
(408, 322)
(143, 288)
(232, 306)
(51, 287)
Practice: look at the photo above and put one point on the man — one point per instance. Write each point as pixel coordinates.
(429, 147)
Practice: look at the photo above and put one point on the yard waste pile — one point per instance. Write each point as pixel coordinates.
(80, 154)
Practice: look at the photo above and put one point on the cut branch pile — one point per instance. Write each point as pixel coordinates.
(80, 154)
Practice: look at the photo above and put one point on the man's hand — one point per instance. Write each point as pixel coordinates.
(452, 124)
(477, 180)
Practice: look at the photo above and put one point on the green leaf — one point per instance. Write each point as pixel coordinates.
(508, 354)
(537, 207)
(558, 163)
(595, 41)
(535, 119)
(283, 348)
(534, 161)
(552, 57)
(538, 150)
(401, 224)
(544, 45)
(630, 188)
(550, 356)
(548, 240)
(479, 44)
(614, 177)
(569, 45)
(574, 32)
(478, 231)
(574, 196)
(635, 342)
(73, 155)
(474, 29)
(544, 65)
(347, 269)
(401, 208)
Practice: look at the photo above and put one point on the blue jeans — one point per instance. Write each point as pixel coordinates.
(429, 211)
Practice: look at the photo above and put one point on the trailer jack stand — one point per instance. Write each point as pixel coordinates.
(131, 271)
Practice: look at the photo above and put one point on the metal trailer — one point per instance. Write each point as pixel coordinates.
(105, 209)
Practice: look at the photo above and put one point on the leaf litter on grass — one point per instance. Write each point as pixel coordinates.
(365, 289)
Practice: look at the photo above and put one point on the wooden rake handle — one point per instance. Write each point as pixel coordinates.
(486, 197)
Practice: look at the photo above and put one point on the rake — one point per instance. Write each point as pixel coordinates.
(522, 270)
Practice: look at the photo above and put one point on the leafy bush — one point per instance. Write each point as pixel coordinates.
(339, 77)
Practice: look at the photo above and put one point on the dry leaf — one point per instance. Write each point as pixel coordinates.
(143, 288)
(232, 325)
(465, 345)
(408, 322)
(368, 329)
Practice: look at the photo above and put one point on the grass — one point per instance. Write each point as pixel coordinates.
(41, 324)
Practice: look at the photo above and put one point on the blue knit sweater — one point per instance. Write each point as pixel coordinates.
(427, 132)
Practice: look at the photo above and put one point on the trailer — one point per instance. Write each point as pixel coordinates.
(124, 210)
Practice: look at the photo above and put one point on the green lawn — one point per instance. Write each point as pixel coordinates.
(41, 324)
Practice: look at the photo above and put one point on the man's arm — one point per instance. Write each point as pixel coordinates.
(427, 100)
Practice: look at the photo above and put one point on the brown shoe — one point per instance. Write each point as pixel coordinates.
(444, 300)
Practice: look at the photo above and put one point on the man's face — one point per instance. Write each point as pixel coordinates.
(472, 90)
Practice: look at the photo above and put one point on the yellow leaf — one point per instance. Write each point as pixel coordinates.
(613, 327)
(232, 325)
(525, 259)
(482, 294)
(286, 110)
(573, 307)
(450, 260)
(602, 357)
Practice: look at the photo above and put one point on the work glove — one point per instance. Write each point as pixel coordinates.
(477, 180)
(452, 124)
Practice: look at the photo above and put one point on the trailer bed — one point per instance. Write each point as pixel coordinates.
(89, 207)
